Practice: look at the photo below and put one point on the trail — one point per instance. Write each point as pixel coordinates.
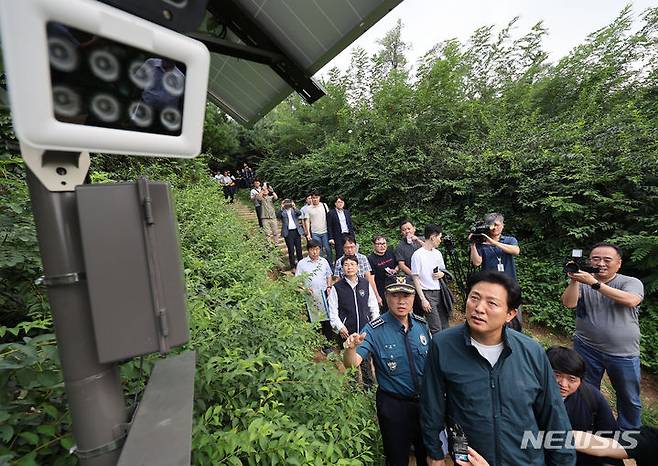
(247, 212)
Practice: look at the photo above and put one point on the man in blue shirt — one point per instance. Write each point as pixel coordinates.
(398, 342)
(497, 252)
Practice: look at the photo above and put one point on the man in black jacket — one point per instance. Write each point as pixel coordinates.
(291, 230)
(352, 304)
(586, 407)
(339, 224)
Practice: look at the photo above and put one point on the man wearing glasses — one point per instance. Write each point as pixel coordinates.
(497, 252)
(607, 328)
(384, 266)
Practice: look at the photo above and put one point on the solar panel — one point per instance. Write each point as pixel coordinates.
(309, 33)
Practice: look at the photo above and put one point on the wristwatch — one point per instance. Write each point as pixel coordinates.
(596, 286)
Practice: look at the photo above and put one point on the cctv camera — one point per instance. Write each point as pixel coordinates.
(84, 76)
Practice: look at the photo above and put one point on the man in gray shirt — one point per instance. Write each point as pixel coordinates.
(607, 328)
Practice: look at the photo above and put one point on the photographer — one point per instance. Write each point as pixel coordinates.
(266, 197)
(607, 328)
(495, 251)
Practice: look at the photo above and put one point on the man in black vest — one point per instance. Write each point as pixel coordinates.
(352, 304)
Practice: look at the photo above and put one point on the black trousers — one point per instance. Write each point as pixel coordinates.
(294, 245)
(338, 246)
(258, 214)
(229, 192)
(399, 423)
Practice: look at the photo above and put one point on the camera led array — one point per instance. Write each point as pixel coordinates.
(98, 82)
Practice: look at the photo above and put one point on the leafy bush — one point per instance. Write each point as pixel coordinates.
(34, 420)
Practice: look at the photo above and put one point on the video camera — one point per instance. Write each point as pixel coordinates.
(478, 230)
(457, 442)
(578, 263)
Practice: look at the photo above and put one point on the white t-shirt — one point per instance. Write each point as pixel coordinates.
(343, 221)
(318, 217)
(318, 272)
(226, 180)
(303, 214)
(423, 263)
(291, 221)
(489, 352)
(253, 193)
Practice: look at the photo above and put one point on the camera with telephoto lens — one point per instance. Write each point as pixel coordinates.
(479, 230)
(457, 442)
(578, 264)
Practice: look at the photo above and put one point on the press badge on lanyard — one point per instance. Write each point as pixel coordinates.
(501, 267)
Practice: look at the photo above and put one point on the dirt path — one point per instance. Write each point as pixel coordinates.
(247, 212)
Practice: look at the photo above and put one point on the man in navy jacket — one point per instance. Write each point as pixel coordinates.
(495, 383)
(339, 224)
(291, 230)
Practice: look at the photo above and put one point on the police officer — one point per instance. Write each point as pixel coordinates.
(398, 342)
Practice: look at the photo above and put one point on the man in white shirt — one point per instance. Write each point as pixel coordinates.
(228, 185)
(427, 269)
(339, 224)
(304, 216)
(253, 195)
(318, 281)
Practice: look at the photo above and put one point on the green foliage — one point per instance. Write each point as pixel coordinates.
(34, 420)
(567, 151)
(20, 263)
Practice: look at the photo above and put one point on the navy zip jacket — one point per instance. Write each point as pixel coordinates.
(494, 405)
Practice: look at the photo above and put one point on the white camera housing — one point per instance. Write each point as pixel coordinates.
(29, 60)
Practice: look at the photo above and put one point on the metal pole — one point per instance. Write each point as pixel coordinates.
(94, 390)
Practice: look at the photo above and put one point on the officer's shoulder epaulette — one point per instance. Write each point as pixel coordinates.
(418, 318)
(378, 322)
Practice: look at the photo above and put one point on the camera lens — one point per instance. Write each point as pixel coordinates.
(62, 54)
(104, 65)
(105, 107)
(174, 82)
(141, 74)
(65, 101)
(140, 114)
(171, 119)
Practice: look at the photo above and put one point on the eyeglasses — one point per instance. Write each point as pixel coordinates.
(380, 243)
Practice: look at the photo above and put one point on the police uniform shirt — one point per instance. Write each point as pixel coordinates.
(391, 349)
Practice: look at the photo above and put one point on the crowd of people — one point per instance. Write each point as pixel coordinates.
(483, 378)
(230, 183)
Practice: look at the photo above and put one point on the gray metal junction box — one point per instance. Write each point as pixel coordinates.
(133, 268)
